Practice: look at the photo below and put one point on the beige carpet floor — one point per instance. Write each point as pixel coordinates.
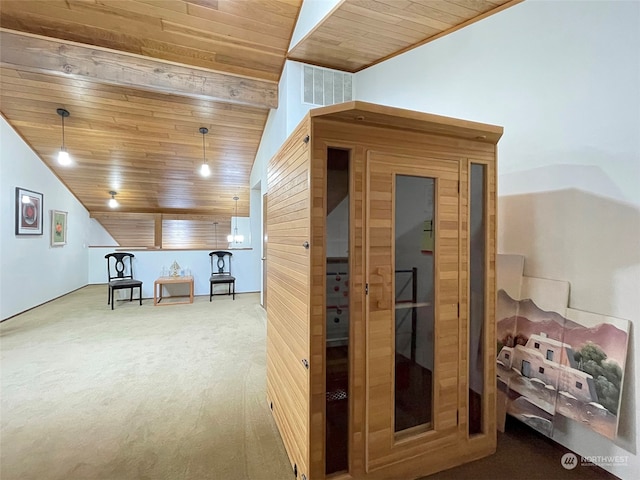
(175, 393)
(141, 392)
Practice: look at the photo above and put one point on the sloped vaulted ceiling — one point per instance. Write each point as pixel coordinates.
(140, 77)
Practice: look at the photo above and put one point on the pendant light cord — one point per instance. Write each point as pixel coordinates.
(62, 116)
(235, 230)
(204, 155)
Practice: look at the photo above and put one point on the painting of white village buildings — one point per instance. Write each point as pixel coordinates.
(553, 360)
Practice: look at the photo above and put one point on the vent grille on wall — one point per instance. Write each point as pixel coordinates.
(321, 86)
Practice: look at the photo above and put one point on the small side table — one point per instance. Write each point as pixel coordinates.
(157, 289)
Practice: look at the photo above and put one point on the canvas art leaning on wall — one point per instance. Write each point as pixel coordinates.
(553, 360)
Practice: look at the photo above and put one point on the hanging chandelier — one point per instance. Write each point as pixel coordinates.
(235, 238)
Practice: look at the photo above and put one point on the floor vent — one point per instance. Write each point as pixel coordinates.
(321, 86)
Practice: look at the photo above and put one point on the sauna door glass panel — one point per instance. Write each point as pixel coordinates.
(414, 333)
(477, 294)
(337, 312)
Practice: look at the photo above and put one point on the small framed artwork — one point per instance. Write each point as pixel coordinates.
(28, 212)
(58, 228)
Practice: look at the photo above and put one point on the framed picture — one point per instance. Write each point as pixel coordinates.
(58, 228)
(28, 212)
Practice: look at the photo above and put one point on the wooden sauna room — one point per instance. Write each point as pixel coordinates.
(381, 292)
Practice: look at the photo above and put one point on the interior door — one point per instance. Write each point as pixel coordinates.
(412, 270)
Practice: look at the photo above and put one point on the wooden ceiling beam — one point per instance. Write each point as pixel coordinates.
(40, 54)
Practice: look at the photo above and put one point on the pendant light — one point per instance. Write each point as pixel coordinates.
(113, 203)
(215, 233)
(204, 168)
(63, 155)
(235, 238)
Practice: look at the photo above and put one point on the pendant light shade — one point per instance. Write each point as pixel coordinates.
(205, 171)
(63, 156)
(235, 238)
(113, 203)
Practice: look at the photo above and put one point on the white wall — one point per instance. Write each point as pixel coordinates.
(98, 236)
(563, 78)
(148, 265)
(280, 123)
(274, 133)
(32, 271)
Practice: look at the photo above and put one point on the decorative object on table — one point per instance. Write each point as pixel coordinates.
(58, 228)
(28, 212)
(174, 269)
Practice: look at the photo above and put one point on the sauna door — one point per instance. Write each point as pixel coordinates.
(412, 306)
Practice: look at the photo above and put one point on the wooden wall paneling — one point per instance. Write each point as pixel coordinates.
(426, 145)
(379, 309)
(363, 113)
(317, 319)
(157, 230)
(406, 142)
(318, 308)
(288, 282)
(195, 231)
(492, 295)
(463, 384)
(169, 231)
(362, 138)
(129, 229)
(358, 330)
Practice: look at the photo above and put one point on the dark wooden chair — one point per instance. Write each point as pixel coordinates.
(221, 272)
(120, 272)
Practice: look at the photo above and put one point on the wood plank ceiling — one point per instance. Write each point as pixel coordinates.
(360, 33)
(140, 77)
